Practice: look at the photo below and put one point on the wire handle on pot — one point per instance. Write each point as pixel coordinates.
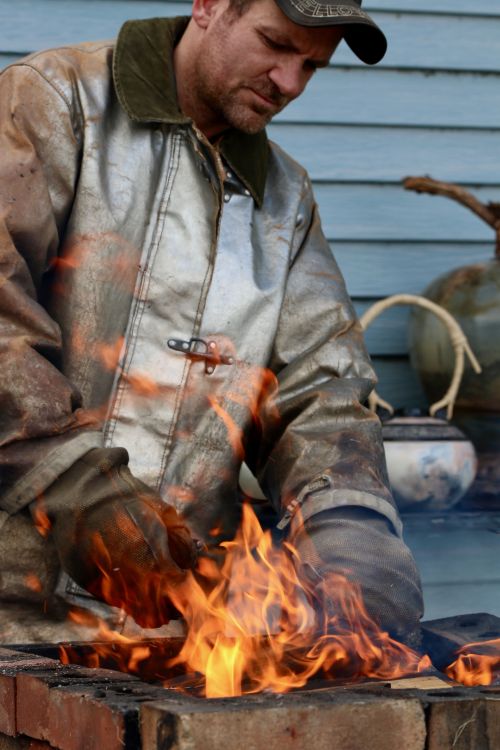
(458, 340)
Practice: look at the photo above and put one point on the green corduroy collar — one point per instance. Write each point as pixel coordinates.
(145, 84)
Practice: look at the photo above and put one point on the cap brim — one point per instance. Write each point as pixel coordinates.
(367, 41)
(362, 34)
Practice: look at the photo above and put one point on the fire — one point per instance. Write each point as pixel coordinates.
(33, 582)
(111, 643)
(234, 432)
(476, 663)
(256, 619)
(253, 623)
(40, 517)
(109, 354)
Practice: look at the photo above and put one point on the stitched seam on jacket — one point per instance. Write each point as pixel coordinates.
(198, 318)
(140, 295)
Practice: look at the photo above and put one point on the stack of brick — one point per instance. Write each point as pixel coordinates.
(45, 705)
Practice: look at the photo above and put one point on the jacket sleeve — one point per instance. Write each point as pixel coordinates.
(323, 461)
(42, 427)
(322, 448)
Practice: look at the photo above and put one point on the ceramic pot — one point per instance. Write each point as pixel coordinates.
(430, 462)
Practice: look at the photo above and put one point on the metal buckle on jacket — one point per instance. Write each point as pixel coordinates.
(209, 353)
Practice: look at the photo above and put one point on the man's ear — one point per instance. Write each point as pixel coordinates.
(203, 11)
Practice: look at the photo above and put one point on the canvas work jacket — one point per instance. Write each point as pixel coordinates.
(171, 296)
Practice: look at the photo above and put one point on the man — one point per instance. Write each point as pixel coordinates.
(169, 297)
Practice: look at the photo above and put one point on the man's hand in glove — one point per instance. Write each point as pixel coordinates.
(116, 537)
(360, 544)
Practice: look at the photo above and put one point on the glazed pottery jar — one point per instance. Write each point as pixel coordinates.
(431, 463)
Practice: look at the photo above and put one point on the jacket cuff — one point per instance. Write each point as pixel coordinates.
(43, 474)
(308, 505)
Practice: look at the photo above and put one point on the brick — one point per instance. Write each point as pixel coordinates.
(458, 724)
(34, 690)
(464, 719)
(80, 718)
(13, 663)
(8, 702)
(99, 716)
(77, 707)
(493, 720)
(327, 721)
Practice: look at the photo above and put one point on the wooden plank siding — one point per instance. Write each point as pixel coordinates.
(432, 106)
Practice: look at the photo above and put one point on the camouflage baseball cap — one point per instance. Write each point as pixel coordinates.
(362, 34)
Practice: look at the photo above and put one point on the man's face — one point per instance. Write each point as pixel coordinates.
(253, 65)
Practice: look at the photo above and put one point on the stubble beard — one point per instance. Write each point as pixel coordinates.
(249, 119)
(230, 107)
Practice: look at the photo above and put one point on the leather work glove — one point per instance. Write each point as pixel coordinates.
(361, 545)
(116, 537)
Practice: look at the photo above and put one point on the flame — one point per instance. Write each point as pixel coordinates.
(127, 658)
(257, 387)
(253, 621)
(109, 353)
(40, 518)
(476, 663)
(235, 433)
(115, 266)
(33, 583)
(142, 385)
(256, 619)
(253, 624)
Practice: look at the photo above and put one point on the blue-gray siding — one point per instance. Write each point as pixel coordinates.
(432, 106)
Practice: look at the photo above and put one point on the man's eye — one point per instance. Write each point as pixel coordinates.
(272, 44)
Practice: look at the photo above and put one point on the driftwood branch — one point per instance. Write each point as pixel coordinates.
(487, 212)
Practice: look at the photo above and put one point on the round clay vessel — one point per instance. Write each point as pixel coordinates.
(431, 463)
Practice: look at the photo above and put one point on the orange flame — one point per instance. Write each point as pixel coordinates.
(126, 658)
(109, 354)
(476, 663)
(40, 518)
(252, 624)
(33, 583)
(235, 433)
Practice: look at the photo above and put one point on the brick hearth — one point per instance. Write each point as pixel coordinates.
(44, 705)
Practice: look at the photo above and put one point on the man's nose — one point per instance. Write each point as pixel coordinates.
(290, 78)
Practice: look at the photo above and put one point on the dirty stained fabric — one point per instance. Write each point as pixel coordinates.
(122, 228)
